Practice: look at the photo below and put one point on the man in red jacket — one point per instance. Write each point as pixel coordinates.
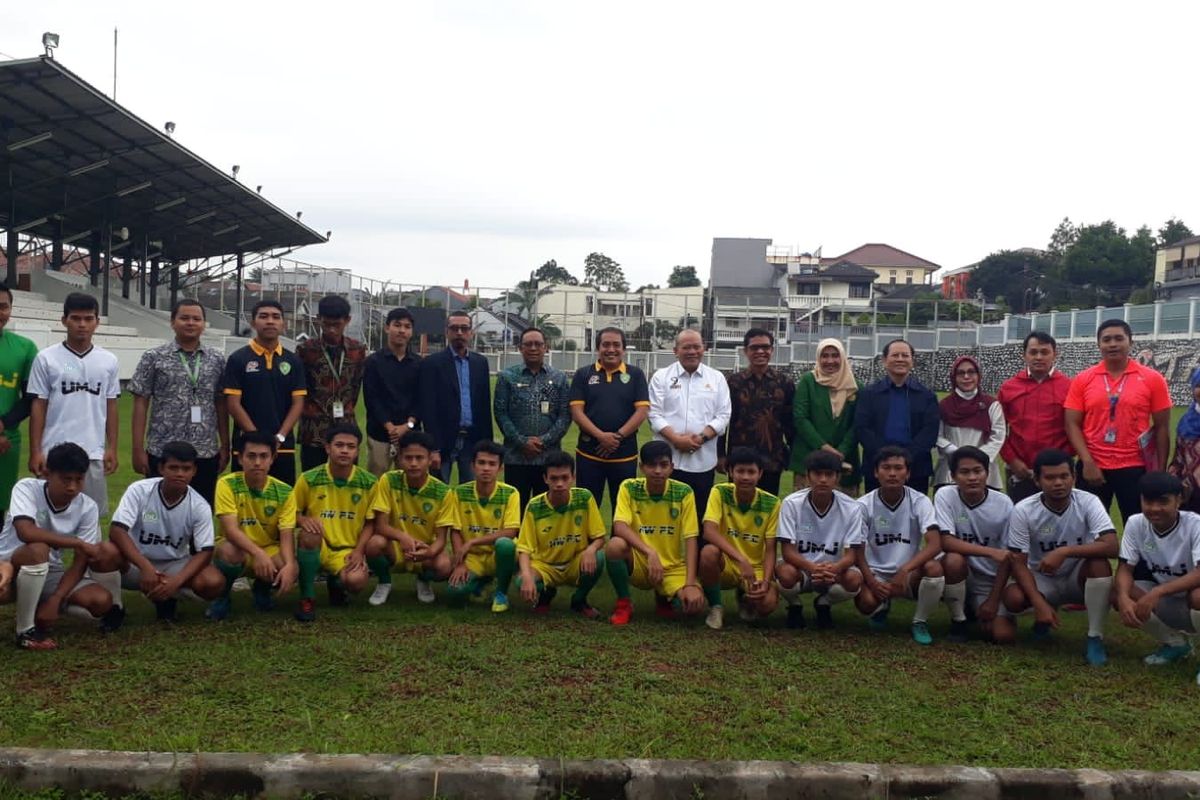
(1033, 407)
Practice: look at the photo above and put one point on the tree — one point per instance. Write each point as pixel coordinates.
(681, 277)
(646, 286)
(1109, 262)
(255, 275)
(605, 274)
(1014, 275)
(1061, 240)
(525, 296)
(1174, 230)
(552, 273)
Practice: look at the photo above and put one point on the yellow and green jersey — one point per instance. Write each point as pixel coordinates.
(558, 535)
(748, 527)
(260, 515)
(663, 521)
(418, 512)
(484, 517)
(343, 507)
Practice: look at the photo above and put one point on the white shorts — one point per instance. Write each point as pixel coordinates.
(909, 592)
(95, 486)
(1062, 588)
(132, 579)
(54, 578)
(1172, 610)
(979, 587)
(806, 585)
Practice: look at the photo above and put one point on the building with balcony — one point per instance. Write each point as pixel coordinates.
(1177, 270)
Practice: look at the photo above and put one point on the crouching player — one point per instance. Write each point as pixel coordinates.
(333, 513)
(1158, 574)
(257, 513)
(488, 514)
(164, 532)
(414, 513)
(894, 563)
(46, 516)
(561, 542)
(1062, 540)
(739, 541)
(822, 531)
(973, 520)
(653, 545)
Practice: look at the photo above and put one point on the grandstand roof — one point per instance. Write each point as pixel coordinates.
(79, 160)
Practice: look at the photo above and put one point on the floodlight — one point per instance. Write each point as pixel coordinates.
(258, 188)
(86, 168)
(201, 217)
(170, 204)
(236, 169)
(224, 231)
(170, 128)
(49, 42)
(245, 242)
(32, 140)
(299, 214)
(128, 190)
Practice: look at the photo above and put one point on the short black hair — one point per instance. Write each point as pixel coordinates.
(822, 461)
(458, 312)
(1114, 323)
(1051, 457)
(558, 458)
(187, 301)
(610, 329)
(5, 290)
(337, 429)
(892, 451)
(398, 314)
(1159, 485)
(968, 452)
(654, 450)
(488, 446)
(1040, 336)
(260, 437)
(756, 332)
(743, 455)
(68, 457)
(78, 301)
(905, 342)
(180, 451)
(333, 306)
(418, 438)
(275, 304)
(532, 329)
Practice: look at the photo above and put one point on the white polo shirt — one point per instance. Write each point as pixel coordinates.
(686, 402)
(76, 388)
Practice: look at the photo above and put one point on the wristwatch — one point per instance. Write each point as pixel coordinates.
(281, 438)
(410, 424)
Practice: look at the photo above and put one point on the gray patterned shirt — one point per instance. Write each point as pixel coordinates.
(162, 377)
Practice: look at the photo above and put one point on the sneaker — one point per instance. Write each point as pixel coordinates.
(380, 595)
(425, 592)
(218, 609)
(261, 591)
(112, 619)
(663, 608)
(337, 593)
(1041, 631)
(584, 610)
(1168, 654)
(307, 610)
(1095, 654)
(959, 632)
(715, 618)
(920, 633)
(165, 611)
(242, 584)
(824, 616)
(795, 617)
(622, 612)
(499, 602)
(878, 620)
(33, 639)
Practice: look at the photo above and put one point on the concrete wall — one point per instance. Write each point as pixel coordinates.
(741, 262)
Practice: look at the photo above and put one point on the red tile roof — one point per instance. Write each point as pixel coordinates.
(883, 255)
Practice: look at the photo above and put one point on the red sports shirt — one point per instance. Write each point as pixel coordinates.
(1142, 392)
(1034, 412)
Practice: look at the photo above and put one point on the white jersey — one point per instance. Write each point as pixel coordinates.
(984, 524)
(821, 537)
(160, 531)
(77, 388)
(895, 535)
(80, 519)
(1036, 530)
(1161, 557)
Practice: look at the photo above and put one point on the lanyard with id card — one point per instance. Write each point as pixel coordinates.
(193, 373)
(1114, 396)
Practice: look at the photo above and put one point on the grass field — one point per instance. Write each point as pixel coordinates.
(407, 678)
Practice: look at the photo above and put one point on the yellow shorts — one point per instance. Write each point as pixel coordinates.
(481, 563)
(403, 566)
(557, 574)
(272, 550)
(674, 577)
(333, 559)
(731, 576)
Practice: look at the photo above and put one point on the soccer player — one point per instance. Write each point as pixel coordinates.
(822, 531)
(739, 541)
(16, 360)
(414, 513)
(257, 512)
(45, 516)
(333, 513)
(163, 529)
(1063, 540)
(484, 537)
(973, 520)
(1158, 580)
(900, 558)
(561, 542)
(655, 529)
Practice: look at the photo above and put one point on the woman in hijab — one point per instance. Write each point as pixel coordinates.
(824, 412)
(1186, 463)
(969, 417)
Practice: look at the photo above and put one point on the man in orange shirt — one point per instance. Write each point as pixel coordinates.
(1033, 406)
(1117, 415)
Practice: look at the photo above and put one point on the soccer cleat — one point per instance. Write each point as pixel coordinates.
(1041, 631)
(715, 618)
(958, 631)
(307, 610)
(33, 639)
(499, 602)
(920, 633)
(795, 617)
(584, 610)
(544, 601)
(1095, 653)
(218, 609)
(164, 611)
(337, 594)
(745, 612)
(425, 592)
(112, 619)
(878, 620)
(261, 592)
(663, 608)
(1168, 654)
(622, 612)
(824, 616)
(380, 595)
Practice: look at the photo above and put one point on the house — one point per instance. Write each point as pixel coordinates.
(891, 264)
(579, 311)
(496, 328)
(954, 282)
(1177, 270)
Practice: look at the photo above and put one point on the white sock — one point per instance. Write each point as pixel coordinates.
(955, 596)
(791, 596)
(1163, 632)
(111, 581)
(929, 594)
(30, 580)
(79, 612)
(837, 594)
(1097, 593)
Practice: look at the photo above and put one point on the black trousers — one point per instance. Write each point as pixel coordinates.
(702, 484)
(312, 456)
(595, 475)
(918, 482)
(283, 468)
(527, 479)
(1121, 483)
(1019, 490)
(205, 480)
(769, 482)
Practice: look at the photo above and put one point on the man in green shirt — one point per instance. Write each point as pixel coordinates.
(16, 358)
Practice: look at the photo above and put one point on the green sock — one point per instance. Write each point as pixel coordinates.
(506, 562)
(381, 568)
(461, 593)
(231, 572)
(309, 562)
(588, 582)
(618, 573)
(713, 594)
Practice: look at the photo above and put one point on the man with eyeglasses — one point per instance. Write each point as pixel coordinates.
(898, 409)
(761, 402)
(456, 407)
(533, 414)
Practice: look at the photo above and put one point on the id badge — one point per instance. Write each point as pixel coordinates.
(196, 415)
(339, 410)
(1110, 436)
(545, 406)
(1144, 439)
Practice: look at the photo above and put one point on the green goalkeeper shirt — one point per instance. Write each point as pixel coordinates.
(16, 358)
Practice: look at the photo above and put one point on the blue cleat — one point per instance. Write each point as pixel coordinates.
(1168, 654)
(218, 609)
(878, 620)
(499, 602)
(261, 592)
(1096, 655)
(920, 633)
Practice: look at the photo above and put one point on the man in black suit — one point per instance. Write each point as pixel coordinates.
(456, 402)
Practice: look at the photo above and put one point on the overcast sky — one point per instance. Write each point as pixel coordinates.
(444, 141)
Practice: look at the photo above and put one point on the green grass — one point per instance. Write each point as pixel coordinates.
(407, 678)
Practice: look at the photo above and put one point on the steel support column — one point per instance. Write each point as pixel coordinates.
(11, 253)
(237, 311)
(143, 251)
(154, 284)
(107, 234)
(94, 261)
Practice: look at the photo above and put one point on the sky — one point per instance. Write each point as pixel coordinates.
(457, 140)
